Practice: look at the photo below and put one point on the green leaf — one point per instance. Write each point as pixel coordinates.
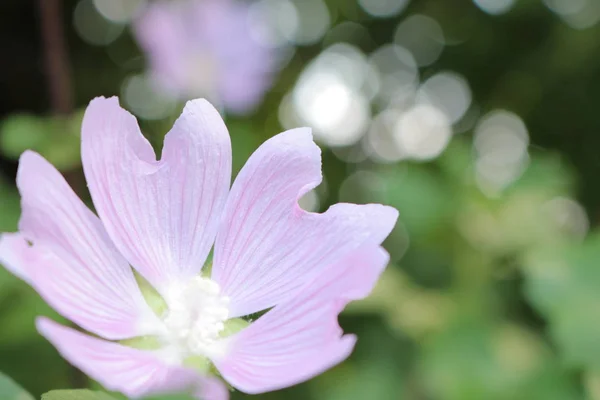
(9, 390)
(424, 201)
(76, 394)
(378, 379)
(172, 397)
(178, 396)
(563, 283)
(9, 207)
(56, 138)
(479, 359)
(21, 132)
(25, 307)
(243, 142)
(547, 174)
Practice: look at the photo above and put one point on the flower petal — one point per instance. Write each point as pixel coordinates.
(211, 389)
(63, 251)
(268, 246)
(131, 371)
(12, 246)
(301, 338)
(162, 215)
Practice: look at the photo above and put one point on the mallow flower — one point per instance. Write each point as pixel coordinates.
(207, 48)
(158, 317)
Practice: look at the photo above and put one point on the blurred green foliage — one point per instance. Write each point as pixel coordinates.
(81, 394)
(9, 390)
(488, 295)
(55, 137)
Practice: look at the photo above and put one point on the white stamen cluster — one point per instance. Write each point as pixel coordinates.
(197, 313)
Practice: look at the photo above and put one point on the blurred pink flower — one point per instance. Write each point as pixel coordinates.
(207, 48)
(162, 218)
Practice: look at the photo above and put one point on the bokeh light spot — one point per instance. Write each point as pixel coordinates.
(568, 215)
(119, 11)
(144, 100)
(329, 96)
(398, 74)
(495, 7)
(501, 141)
(447, 91)
(423, 132)
(313, 21)
(274, 22)
(92, 26)
(383, 8)
(423, 37)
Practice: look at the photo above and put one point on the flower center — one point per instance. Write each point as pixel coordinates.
(196, 316)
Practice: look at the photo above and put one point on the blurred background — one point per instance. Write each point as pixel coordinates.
(477, 119)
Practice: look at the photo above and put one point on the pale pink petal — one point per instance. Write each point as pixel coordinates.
(162, 215)
(12, 246)
(268, 246)
(120, 368)
(211, 389)
(301, 338)
(63, 251)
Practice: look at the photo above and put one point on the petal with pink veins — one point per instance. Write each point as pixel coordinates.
(162, 215)
(268, 246)
(63, 251)
(134, 372)
(301, 338)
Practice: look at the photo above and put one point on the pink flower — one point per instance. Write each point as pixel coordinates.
(207, 48)
(162, 218)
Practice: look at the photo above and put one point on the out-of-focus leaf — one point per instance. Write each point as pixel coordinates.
(19, 310)
(550, 382)
(591, 381)
(425, 203)
(9, 216)
(57, 138)
(481, 360)
(119, 396)
(76, 394)
(243, 143)
(9, 207)
(507, 226)
(376, 380)
(457, 162)
(18, 358)
(9, 390)
(546, 173)
(522, 217)
(171, 397)
(564, 284)
(407, 308)
(21, 132)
